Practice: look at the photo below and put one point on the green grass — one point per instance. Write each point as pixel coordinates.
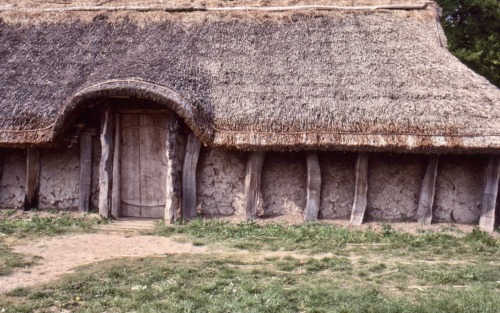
(322, 238)
(276, 268)
(212, 283)
(54, 224)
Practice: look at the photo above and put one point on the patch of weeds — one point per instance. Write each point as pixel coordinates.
(52, 225)
(18, 292)
(332, 264)
(377, 268)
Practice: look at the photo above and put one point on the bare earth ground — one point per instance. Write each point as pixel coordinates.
(61, 254)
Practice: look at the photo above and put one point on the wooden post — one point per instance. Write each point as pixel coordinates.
(32, 178)
(105, 164)
(116, 188)
(313, 187)
(1, 165)
(424, 211)
(172, 185)
(361, 189)
(492, 173)
(193, 147)
(85, 169)
(252, 183)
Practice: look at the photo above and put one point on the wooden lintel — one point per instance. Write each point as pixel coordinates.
(105, 164)
(188, 203)
(116, 188)
(313, 187)
(172, 184)
(361, 190)
(85, 171)
(32, 178)
(491, 175)
(427, 191)
(252, 183)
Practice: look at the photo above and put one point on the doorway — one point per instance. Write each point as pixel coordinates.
(143, 161)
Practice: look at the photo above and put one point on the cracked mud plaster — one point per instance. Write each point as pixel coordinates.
(59, 178)
(13, 180)
(220, 183)
(284, 179)
(337, 189)
(459, 189)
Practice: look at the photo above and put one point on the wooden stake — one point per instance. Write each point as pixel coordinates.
(32, 178)
(172, 192)
(492, 173)
(106, 162)
(116, 188)
(361, 189)
(424, 211)
(85, 169)
(193, 147)
(252, 183)
(313, 187)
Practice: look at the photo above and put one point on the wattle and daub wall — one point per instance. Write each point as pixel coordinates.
(394, 183)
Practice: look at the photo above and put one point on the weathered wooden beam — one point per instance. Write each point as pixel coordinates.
(172, 186)
(252, 183)
(106, 162)
(188, 203)
(32, 178)
(1, 165)
(116, 188)
(492, 174)
(427, 191)
(313, 187)
(360, 191)
(85, 169)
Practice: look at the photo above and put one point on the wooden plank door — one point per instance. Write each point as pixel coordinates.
(143, 165)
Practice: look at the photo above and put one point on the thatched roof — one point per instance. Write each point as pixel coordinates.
(299, 79)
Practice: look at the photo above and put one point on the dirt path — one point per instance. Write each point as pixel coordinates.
(63, 253)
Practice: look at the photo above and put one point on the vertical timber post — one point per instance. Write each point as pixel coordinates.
(427, 191)
(361, 189)
(1, 165)
(116, 188)
(172, 185)
(193, 147)
(85, 169)
(313, 187)
(105, 164)
(32, 178)
(491, 175)
(252, 183)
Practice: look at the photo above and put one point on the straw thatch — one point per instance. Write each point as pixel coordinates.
(345, 80)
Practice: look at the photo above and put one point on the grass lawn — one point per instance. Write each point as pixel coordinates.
(277, 268)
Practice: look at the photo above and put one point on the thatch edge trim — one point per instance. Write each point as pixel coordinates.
(421, 6)
(140, 89)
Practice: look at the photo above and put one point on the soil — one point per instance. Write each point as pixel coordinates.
(60, 255)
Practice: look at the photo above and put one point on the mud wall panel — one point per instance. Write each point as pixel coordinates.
(459, 189)
(394, 183)
(59, 178)
(337, 190)
(220, 182)
(13, 181)
(284, 180)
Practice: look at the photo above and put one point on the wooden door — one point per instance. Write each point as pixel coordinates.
(143, 164)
